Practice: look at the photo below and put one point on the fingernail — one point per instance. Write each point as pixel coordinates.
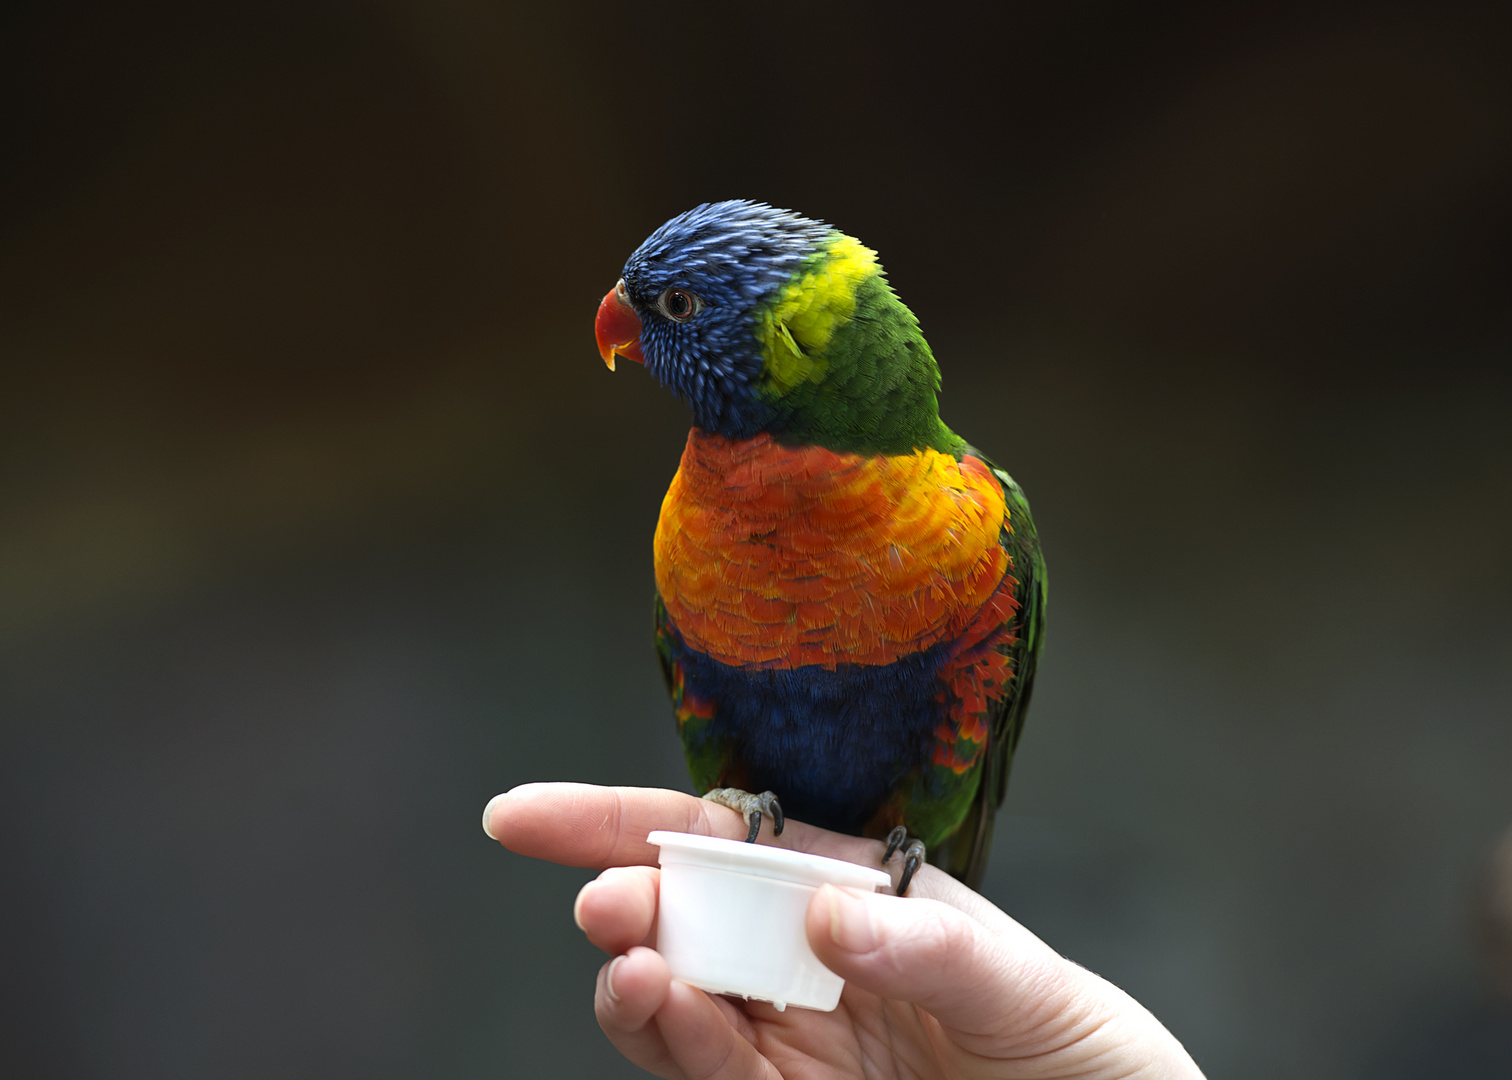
(577, 906)
(609, 977)
(487, 810)
(850, 921)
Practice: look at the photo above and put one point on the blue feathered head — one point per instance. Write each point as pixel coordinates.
(688, 303)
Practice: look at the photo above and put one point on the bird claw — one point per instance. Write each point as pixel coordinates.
(750, 807)
(913, 855)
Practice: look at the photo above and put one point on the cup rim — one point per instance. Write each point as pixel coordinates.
(763, 860)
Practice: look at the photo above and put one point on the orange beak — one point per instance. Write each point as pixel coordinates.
(618, 327)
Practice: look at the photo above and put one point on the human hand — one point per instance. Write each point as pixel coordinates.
(938, 983)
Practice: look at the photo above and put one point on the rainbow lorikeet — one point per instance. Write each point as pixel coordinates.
(850, 597)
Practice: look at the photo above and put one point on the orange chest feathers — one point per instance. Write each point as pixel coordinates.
(783, 556)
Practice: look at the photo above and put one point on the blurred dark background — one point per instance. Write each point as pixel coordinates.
(321, 521)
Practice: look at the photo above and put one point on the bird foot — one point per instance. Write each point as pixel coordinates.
(750, 807)
(913, 855)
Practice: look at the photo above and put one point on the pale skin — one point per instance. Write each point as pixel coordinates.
(940, 983)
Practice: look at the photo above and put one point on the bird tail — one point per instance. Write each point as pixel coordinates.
(963, 855)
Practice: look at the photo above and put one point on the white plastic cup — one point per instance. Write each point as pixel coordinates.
(731, 915)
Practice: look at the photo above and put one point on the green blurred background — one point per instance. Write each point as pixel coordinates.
(321, 521)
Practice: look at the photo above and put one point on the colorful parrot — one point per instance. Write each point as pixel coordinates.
(850, 597)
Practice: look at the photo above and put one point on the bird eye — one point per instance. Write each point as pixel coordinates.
(679, 306)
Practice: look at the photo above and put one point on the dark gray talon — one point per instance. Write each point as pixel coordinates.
(774, 808)
(913, 855)
(913, 858)
(751, 807)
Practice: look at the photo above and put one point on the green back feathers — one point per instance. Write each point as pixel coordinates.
(846, 365)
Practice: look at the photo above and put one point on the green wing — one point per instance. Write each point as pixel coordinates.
(964, 854)
(707, 756)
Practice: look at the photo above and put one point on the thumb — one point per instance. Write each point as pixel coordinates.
(1003, 984)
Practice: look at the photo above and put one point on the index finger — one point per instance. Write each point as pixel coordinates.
(587, 825)
(599, 827)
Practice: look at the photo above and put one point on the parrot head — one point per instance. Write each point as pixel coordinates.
(762, 320)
